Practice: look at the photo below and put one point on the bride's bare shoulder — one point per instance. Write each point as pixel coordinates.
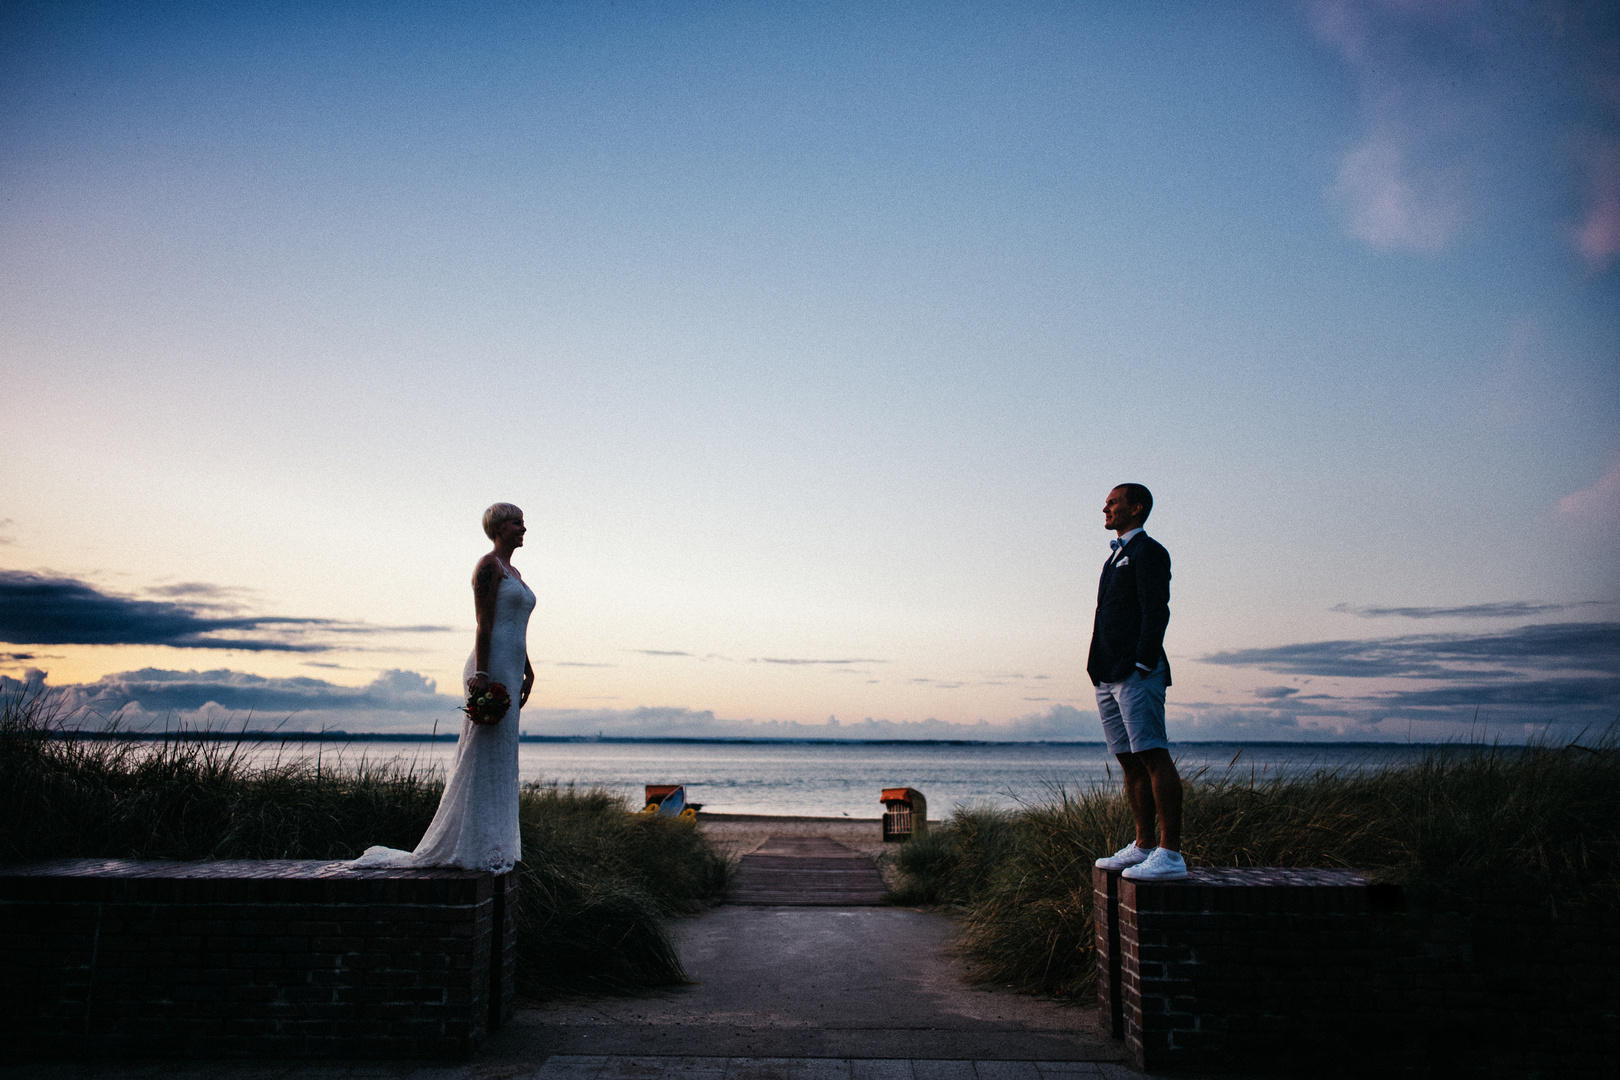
(486, 573)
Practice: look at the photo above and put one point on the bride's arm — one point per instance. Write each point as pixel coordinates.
(528, 682)
(486, 583)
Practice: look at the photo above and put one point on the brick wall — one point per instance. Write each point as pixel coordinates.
(275, 957)
(1316, 972)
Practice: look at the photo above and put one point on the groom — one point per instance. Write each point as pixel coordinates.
(1130, 671)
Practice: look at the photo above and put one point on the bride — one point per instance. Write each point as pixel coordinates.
(476, 827)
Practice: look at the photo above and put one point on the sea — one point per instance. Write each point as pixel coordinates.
(844, 779)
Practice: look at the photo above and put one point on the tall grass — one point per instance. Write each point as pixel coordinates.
(598, 885)
(1463, 818)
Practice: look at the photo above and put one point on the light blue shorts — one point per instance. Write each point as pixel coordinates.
(1133, 712)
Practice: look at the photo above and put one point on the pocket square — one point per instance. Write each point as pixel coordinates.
(1124, 560)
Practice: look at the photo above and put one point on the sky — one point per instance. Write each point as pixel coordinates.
(810, 338)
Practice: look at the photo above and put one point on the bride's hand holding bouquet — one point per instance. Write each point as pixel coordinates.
(487, 702)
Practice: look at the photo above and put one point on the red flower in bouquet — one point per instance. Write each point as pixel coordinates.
(489, 705)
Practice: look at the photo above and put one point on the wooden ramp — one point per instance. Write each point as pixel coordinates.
(805, 871)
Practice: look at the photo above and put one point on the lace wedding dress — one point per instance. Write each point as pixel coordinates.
(476, 827)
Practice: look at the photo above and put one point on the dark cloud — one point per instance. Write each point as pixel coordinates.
(39, 610)
(1274, 692)
(1548, 693)
(1556, 646)
(661, 652)
(1515, 610)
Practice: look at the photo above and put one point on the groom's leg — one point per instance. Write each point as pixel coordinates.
(1138, 785)
(1165, 783)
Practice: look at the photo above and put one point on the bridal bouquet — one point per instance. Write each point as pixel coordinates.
(489, 705)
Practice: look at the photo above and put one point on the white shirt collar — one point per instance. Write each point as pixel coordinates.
(1128, 537)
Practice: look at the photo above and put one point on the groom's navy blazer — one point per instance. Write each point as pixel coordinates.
(1133, 609)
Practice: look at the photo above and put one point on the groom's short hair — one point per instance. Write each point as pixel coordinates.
(1137, 495)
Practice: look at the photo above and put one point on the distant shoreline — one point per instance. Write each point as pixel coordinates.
(450, 737)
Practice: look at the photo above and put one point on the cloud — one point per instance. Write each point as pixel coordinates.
(1597, 237)
(1210, 721)
(1275, 692)
(36, 609)
(197, 594)
(782, 660)
(661, 652)
(1602, 499)
(1544, 693)
(6, 525)
(1470, 113)
(577, 663)
(1563, 646)
(1387, 206)
(401, 701)
(155, 690)
(1056, 723)
(1516, 609)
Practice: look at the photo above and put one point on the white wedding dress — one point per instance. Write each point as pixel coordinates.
(476, 827)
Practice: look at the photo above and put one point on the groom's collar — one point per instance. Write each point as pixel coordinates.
(1128, 537)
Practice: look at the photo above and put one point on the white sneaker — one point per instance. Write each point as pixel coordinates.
(1129, 855)
(1161, 865)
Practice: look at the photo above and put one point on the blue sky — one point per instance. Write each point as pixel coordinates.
(810, 338)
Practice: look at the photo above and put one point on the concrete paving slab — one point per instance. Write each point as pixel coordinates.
(696, 1068)
(1006, 1070)
(943, 1070)
(571, 1068)
(880, 1070)
(636, 1068)
(824, 1069)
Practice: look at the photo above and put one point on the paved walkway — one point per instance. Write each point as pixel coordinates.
(859, 982)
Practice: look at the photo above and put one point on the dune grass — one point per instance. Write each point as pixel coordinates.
(1462, 818)
(598, 884)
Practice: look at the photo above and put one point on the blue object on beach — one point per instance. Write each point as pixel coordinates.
(672, 804)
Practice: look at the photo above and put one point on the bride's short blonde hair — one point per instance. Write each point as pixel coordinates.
(498, 515)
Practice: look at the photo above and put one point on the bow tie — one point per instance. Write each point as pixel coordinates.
(1115, 545)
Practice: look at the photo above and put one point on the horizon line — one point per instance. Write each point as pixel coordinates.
(331, 735)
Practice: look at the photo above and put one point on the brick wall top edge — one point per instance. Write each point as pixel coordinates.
(246, 881)
(1250, 889)
(1249, 877)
